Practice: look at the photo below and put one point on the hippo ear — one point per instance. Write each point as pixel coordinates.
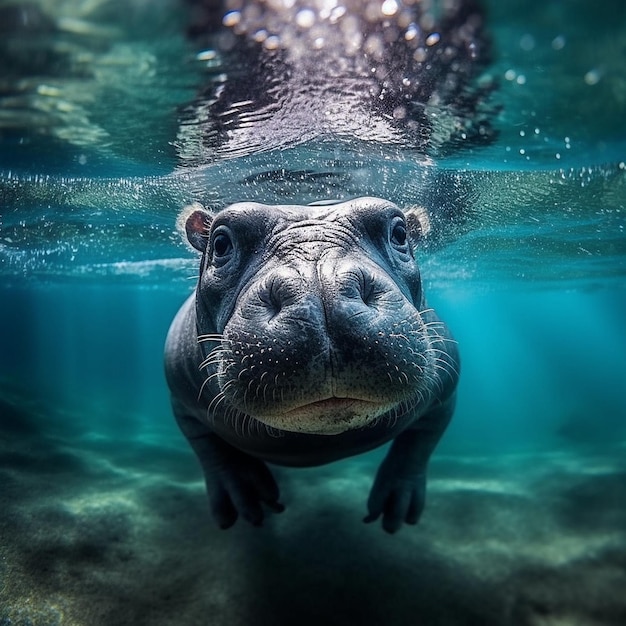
(196, 221)
(418, 222)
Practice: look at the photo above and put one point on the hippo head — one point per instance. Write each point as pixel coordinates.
(312, 318)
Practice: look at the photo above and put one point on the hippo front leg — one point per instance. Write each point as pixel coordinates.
(399, 490)
(236, 483)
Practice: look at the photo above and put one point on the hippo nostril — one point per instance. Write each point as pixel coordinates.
(271, 300)
(368, 292)
(358, 285)
(368, 289)
(278, 291)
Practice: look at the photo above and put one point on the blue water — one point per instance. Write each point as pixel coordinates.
(103, 517)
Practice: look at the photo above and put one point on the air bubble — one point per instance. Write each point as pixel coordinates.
(231, 19)
(399, 113)
(305, 18)
(206, 55)
(411, 32)
(527, 42)
(389, 8)
(592, 77)
(272, 43)
(336, 14)
(260, 36)
(420, 55)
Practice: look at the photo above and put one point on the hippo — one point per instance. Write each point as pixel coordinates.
(307, 340)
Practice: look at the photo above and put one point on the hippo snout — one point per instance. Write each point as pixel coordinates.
(323, 293)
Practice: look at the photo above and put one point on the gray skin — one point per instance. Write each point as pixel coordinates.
(307, 340)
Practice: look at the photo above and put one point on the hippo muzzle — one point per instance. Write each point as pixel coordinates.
(328, 327)
(312, 337)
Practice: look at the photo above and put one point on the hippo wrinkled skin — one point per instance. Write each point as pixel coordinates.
(307, 340)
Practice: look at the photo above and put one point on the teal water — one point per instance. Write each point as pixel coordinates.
(103, 517)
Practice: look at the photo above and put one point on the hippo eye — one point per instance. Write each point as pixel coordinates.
(397, 234)
(222, 246)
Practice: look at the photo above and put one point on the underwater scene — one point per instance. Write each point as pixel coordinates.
(504, 122)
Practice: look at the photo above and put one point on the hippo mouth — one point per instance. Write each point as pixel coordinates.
(329, 416)
(334, 404)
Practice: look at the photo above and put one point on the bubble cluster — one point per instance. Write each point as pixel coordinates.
(358, 27)
(512, 76)
(397, 72)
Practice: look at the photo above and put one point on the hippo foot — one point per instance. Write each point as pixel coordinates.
(236, 483)
(243, 489)
(398, 500)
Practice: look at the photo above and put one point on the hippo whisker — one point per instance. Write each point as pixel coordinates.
(275, 433)
(436, 379)
(211, 411)
(244, 400)
(240, 422)
(217, 350)
(440, 339)
(418, 376)
(265, 429)
(210, 337)
(214, 357)
(248, 426)
(252, 425)
(400, 410)
(448, 367)
(399, 336)
(234, 416)
(252, 382)
(205, 383)
(229, 409)
(437, 338)
(392, 417)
